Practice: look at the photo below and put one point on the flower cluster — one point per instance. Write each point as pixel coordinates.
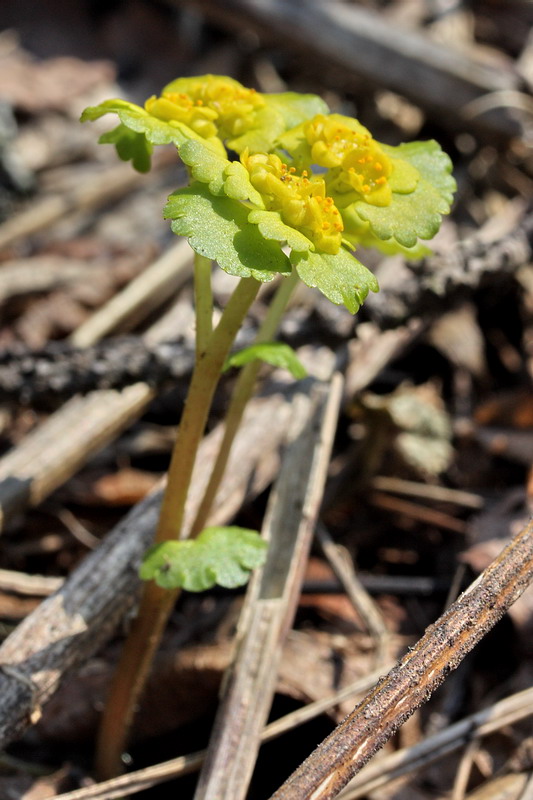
(219, 106)
(300, 200)
(308, 188)
(357, 166)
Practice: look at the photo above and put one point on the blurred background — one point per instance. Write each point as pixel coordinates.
(432, 464)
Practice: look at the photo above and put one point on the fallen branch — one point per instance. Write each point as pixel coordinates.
(412, 681)
(369, 48)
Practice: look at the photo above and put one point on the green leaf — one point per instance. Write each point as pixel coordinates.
(268, 124)
(223, 556)
(272, 226)
(222, 176)
(130, 146)
(341, 277)
(359, 233)
(415, 215)
(156, 131)
(218, 228)
(296, 108)
(277, 354)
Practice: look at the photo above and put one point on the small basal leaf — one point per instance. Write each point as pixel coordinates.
(278, 354)
(340, 277)
(219, 555)
(218, 228)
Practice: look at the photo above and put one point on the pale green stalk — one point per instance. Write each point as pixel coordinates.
(241, 395)
(203, 302)
(156, 603)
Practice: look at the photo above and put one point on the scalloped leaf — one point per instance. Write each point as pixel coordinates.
(272, 226)
(218, 228)
(155, 130)
(341, 277)
(416, 215)
(359, 233)
(222, 176)
(219, 555)
(277, 354)
(130, 146)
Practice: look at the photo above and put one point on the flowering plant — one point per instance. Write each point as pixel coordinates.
(278, 186)
(314, 183)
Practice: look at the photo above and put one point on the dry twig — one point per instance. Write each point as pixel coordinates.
(417, 675)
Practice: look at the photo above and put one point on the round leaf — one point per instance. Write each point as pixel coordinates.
(218, 228)
(219, 555)
(341, 277)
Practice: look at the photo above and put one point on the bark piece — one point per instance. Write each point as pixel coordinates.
(70, 625)
(444, 81)
(271, 597)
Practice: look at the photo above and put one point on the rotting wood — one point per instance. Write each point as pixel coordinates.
(373, 349)
(153, 286)
(24, 584)
(342, 565)
(272, 597)
(367, 46)
(142, 779)
(46, 457)
(113, 183)
(428, 492)
(418, 511)
(327, 770)
(70, 625)
(43, 273)
(430, 286)
(504, 712)
(43, 379)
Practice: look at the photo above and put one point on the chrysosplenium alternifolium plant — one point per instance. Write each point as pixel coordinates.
(277, 186)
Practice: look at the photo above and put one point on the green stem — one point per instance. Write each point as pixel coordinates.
(241, 394)
(203, 302)
(156, 603)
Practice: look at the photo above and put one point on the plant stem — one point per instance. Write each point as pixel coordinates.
(156, 603)
(203, 302)
(240, 397)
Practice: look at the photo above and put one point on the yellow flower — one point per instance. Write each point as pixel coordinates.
(355, 161)
(300, 200)
(211, 105)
